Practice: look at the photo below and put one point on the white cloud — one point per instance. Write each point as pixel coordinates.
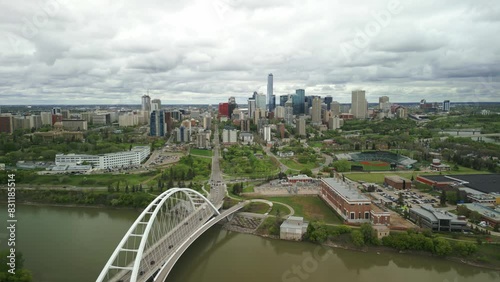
(196, 51)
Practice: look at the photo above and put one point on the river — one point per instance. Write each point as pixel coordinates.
(63, 244)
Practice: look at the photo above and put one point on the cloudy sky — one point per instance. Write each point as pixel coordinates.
(203, 51)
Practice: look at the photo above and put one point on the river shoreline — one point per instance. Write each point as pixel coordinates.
(384, 249)
(375, 249)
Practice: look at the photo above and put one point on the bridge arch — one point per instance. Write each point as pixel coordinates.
(175, 210)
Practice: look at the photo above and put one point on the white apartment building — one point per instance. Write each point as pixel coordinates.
(112, 160)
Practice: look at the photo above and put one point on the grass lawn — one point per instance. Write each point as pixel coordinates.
(200, 152)
(373, 165)
(298, 166)
(311, 208)
(315, 144)
(257, 207)
(90, 180)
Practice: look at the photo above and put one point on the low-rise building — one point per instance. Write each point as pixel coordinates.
(490, 215)
(246, 138)
(428, 217)
(105, 161)
(299, 178)
(74, 124)
(346, 200)
(381, 230)
(397, 182)
(293, 228)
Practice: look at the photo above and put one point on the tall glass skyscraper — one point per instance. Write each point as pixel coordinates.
(270, 100)
(299, 100)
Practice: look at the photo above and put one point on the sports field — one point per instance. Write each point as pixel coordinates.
(373, 165)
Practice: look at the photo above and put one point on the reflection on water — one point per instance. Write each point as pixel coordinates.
(72, 244)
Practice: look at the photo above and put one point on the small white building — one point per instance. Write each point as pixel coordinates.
(246, 138)
(293, 228)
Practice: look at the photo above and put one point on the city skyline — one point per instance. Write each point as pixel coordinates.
(67, 53)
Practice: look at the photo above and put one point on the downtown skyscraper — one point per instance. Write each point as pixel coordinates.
(271, 99)
(359, 105)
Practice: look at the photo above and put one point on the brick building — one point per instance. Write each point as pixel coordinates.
(397, 182)
(345, 200)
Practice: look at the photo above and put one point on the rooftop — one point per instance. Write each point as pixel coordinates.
(484, 210)
(432, 213)
(344, 190)
(487, 183)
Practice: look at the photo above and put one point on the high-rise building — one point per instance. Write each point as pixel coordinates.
(283, 99)
(224, 109)
(316, 111)
(260, 101)
(335, 122)
(146, 103)
(229, 135)
(301, 126)
(157, 123)
(266, 132)
(384, 104)
(289, 112)
(6, 123)
(328, 100)
(335, 108)
(258, 114)
(279, 112)
(251, 107)
(299, 100)
(359, 106)
(231, 106)
(270, 92)
(446, 105)
(155, 105)
(47, 118)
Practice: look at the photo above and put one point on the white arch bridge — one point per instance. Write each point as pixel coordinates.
(161, 233)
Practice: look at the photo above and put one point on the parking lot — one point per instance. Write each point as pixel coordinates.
(412, 197)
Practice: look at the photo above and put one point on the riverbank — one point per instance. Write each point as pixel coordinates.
(377, 249)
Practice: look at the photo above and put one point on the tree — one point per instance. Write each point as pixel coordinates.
(442, 198)
(307, 172)
(401, 200)
(342, 165)
(369, 234)
(21, 274)
(442, 247)
(474, 216)
(357, 238)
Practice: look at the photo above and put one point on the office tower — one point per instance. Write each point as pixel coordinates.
(260, 101)
(384, 104)
(299, 100)
(289, 112)
(157, 123)
(335, 108)
(359, 106)
(328, 100)
(446, 105)
(251, 107)
(231, 106)
(270, 92)
(155, 105)
(224, 109)
(146, 103)
(283, 99)
(301, 126)
(273, 101)
(279, 112)
(316, 111)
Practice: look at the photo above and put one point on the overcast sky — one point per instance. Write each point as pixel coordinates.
(197, 52)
